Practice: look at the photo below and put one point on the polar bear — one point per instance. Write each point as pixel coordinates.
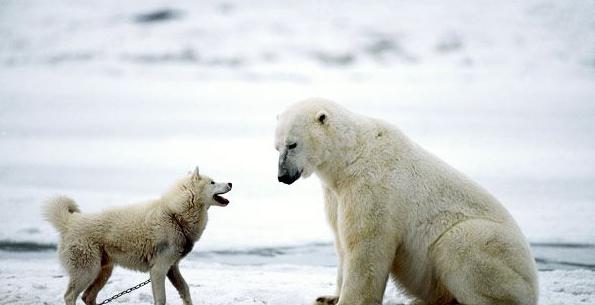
(396, 210)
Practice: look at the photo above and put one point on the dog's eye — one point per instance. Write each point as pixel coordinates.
(292, 146)
(212, 182)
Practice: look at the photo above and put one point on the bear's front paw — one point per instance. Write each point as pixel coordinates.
(326, 300)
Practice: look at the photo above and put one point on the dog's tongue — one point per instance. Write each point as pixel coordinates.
(221, 200)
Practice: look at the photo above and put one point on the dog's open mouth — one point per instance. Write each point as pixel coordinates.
(222, 201)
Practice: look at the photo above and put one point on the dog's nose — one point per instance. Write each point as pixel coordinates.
(229, 184)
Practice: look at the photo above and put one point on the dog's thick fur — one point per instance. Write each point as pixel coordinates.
(151, 237)
(397, 210)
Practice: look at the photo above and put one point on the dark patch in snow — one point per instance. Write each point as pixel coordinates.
(334, 59)
(266, 252)
(30, 230)
(186, 55)
(270, 251)
(25, 246)
(70, 57)
(159, 15)
(270, 57)
(382, 46)
(551, 256)
(550, 263)
(229, 61)
(449, 43)
(315, 254)
(564, 245)
(380, 49)
(225, 8)
(467, 62)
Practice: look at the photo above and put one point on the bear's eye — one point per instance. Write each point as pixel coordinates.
(292, 146)
(212, 182)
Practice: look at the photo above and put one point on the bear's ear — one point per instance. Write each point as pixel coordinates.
(321, 117)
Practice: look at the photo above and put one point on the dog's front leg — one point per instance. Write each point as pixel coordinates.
(175, 277)
(158, 272)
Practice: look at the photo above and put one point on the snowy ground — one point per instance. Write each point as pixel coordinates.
(111, 101)
(37, 279)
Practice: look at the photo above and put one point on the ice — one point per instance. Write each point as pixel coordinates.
(110, 102)
(39, 280)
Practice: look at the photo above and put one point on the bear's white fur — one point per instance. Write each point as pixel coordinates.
(396, 210)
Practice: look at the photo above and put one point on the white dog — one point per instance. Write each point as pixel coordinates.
(151, 237)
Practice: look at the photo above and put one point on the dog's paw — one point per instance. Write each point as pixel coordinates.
(326, 300)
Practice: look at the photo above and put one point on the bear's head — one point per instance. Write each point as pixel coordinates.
(307, 137)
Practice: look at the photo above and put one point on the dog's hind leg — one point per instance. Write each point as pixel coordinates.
(175, 277)
(79, 280)
(90, 295)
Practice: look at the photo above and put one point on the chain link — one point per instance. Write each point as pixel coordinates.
(129, 290)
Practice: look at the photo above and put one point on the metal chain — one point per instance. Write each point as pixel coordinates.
(129, 290)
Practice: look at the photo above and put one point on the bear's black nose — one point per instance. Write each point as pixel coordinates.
(229, 184)
(287, 179)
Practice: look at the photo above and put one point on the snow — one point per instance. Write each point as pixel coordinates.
(40, 280)
(109, 109)
(531, 155)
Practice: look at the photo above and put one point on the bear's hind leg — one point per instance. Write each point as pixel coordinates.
(479, 262)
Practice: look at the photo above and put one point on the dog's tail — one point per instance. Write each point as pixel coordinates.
(58, 211)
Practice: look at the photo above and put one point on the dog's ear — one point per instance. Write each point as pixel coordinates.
(196, 174)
